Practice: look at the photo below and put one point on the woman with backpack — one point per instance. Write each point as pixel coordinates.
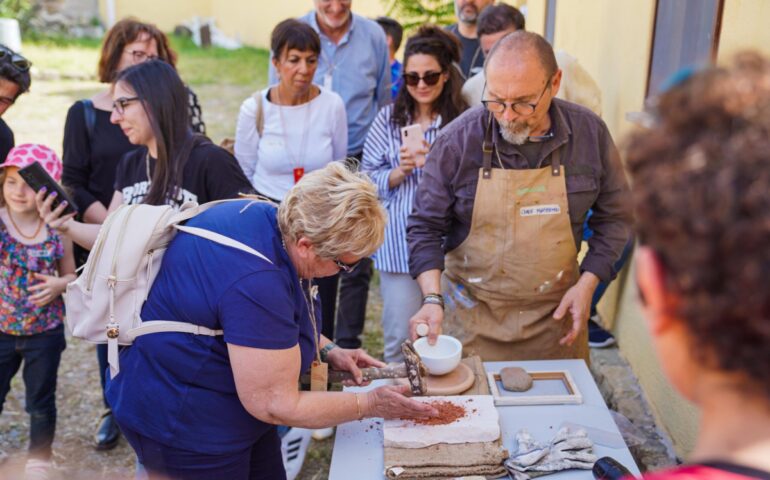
(206, 405)
(93, 147)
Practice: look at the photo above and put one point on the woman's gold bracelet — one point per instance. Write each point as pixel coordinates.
(358, 407)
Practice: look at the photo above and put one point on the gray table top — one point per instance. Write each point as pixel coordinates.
(358, 450)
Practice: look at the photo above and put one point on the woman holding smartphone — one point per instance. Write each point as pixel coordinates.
(172, 166)
(429, 98)
(93, 147)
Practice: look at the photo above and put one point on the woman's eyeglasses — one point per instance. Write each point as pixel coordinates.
(346, 267)
(121, 103)
(17, 61)
(140, 56)
(430, 78)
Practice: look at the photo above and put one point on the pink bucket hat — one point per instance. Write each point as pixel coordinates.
(29, 153)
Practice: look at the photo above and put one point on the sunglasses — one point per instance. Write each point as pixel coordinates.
(19, 62)
(346, 267)
(431, 78)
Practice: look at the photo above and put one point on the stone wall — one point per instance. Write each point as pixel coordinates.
(79, 18)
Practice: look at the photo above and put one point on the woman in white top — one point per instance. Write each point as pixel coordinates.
(294, 127)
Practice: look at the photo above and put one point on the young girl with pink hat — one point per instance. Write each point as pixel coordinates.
(35, 267)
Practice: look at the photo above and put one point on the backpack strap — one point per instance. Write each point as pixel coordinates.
(160, 326)
(222, 240)
(89, 114)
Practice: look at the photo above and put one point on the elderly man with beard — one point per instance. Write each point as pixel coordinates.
(471, 56)
(500, 211)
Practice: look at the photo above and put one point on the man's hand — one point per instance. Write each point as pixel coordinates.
(577, 301)
(433, 316)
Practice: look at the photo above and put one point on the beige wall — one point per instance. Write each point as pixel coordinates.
(612, 41)
(248, 20)
(744, 25)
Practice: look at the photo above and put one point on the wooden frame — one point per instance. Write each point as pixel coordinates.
(573, 396)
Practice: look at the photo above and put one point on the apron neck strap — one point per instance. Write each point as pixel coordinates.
(486, 148)
(556, 162)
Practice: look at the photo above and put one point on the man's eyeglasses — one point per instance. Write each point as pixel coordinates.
(522, 108)
(121, 103)
(430, 78)
(346, 267)
(17, 61)
(140, 56)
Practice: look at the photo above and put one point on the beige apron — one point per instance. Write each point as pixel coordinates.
(503, 283)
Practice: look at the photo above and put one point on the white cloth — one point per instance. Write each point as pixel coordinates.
(577, 85)
(269, 161)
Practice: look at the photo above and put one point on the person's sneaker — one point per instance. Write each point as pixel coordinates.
(37, 469)
(597, 336)
(323, 433)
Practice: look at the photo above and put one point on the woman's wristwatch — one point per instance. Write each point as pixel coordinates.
(326, 349)
(433, 299)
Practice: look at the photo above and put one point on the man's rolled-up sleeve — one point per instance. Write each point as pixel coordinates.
(431, 216)
(612, 215)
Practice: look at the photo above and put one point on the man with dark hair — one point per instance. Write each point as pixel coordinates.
(467, 13)
(14, 80)
(502, 214)
(497, 21)
(394, 32)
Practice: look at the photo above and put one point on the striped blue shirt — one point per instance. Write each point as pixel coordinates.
(381, 156)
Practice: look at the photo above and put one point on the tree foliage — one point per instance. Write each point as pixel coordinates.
(21, 10)
(413, 13)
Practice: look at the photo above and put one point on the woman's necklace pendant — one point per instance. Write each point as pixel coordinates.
(319, 376)
(299, 172)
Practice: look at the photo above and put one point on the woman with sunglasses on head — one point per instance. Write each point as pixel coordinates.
(430, 96)
(93, 146)
(14, 80)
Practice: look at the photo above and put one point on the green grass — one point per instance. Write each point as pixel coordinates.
(197, 66)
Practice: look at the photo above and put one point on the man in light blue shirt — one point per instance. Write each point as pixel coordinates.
(354, 63)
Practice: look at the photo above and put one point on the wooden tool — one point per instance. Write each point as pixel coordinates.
(412, 369)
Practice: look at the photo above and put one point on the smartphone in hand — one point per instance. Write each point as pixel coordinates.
(412, 138)
(37, 177)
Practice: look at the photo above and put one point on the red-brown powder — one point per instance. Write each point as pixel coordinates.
(448, 412)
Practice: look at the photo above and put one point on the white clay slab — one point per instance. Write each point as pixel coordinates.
(481, 424)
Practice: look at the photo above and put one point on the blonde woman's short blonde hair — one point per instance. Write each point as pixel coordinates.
(337, 210)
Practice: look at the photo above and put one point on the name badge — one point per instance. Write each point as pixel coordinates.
(39, 253)
(328, 81)
(540, 210)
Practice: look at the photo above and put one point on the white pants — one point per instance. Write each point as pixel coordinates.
(401, 299)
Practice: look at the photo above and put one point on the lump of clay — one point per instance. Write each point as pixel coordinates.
(515, 379)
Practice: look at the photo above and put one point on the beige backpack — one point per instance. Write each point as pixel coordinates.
(103, 304)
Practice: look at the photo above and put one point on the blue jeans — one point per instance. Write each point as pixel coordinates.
(262, 461)
(41, 354)
(602, 287)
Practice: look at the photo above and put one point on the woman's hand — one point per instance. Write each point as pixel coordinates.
(352, 361)
(391, 401)
(53, 218)
(48, 289)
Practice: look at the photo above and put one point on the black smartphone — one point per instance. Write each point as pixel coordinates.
(37, 178)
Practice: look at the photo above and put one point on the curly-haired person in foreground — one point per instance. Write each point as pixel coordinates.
(701, 188)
